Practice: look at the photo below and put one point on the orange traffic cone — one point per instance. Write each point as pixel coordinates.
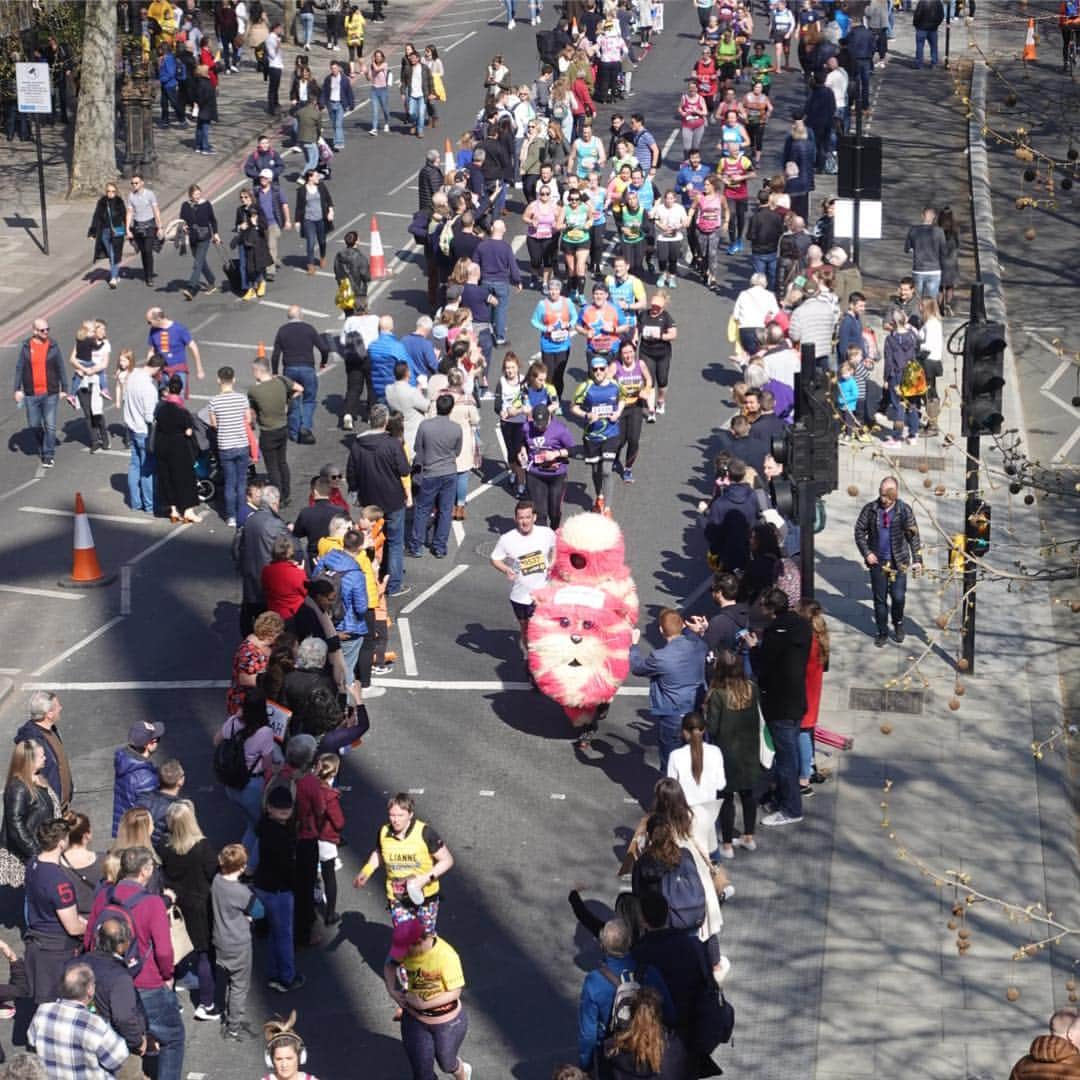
(376, 258)
(573, 29)
(85, 568)
(260, 352)
(1029, 42)
(449, 161)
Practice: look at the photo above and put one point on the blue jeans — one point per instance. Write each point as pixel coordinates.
(461, 488)
(279, 906)
(234, 464)
(418, 113)
(394, 523)
(166, 1024)
(806, 753)
(199, 266)
(927, 282)
(249, 799)
(336, 113)
(785, 739)
(248, 280)
(315, 234)
(140, 474)
(509, 7)
(889, 586)
(668, 738)
(901, 410)
(864, 70)
(307, 24)
(498, 315)
(302, 410)
(41, 414)
(765, 264)
(350, 653)
(380, 106)
(921, 38)
(107, 240)
(311, 156)
(438, 492)
(202, 135)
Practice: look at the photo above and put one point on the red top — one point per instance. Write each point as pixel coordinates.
(815, 673)
(334, 821)
(310, 804)
(336, 499)
(283, 587)
(39, 371)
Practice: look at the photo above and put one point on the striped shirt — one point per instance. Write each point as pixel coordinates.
(229, 411)
(74, 1043)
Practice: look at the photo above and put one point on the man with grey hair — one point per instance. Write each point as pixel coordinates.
(255, 544)
(295, 346)
(269, 399)
(429, 181)
(45, 709)
(140, 402)
(422, 358)
(64, 1032)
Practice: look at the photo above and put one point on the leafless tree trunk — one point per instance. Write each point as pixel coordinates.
(94, 158)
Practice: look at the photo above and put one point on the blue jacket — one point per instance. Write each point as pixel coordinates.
(849, 333)
(732, 515)
(384, 352)
(169, 72)
(346, 93)
(676, 674)
(354, 595)
(421, 353)
(134, 774)
(847, 396)
(803, 153)
(597, 997)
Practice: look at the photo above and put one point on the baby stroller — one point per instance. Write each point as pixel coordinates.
(208, 474)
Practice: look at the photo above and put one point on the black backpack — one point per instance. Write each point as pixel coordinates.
(328, 573)
(230, 764)
(123, 911)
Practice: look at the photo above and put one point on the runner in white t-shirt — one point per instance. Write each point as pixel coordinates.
(524, 555)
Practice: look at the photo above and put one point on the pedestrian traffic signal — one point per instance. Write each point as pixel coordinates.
(978, 530)
(984, 378)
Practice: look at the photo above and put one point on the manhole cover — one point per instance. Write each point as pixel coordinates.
(863, 699)
(485, 548)
(915, 462)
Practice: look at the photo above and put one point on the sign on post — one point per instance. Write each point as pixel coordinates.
(33, 88)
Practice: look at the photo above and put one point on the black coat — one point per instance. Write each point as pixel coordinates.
(24, 811)
(100, 226)
(189, 876)
(428, 182)
(115, 998)
(205, 96)
(353, 264)
(251, 241)
(785, 649)
(301, 204)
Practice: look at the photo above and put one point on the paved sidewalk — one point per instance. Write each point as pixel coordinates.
(897, 997)
(31, 278)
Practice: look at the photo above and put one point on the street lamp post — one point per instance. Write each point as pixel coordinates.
(137, 95)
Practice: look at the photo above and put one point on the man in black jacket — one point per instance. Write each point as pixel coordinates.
(378, 474)
(929, 15)
(115, 999)
(785, 649)
(254, 543)
(861, 43)
(887, 536)
(295, 345)
(429, 181)
(39, 381)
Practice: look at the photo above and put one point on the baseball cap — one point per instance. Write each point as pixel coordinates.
(599, 361)
(268, 173)
(142, 733)
(404, 937)
(541, 413)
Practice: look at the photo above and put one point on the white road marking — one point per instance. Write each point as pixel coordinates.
(134, 519)
(497, 479)
(431, 590)
(416, 791)
(39, 472)
(206, 322)
(1066, 447)
(486, 794)
(391, 213)
(91, 637)
(180, 684)
(459, 532)
(159, 543)
(318, 273)
(349, 224)
(668, 144)
(10, 670)
(558, 795)
(231, 345)
(285, 307)
(111, 453)
(409, 653)
(22, 487)
(461, 41)
(53, 594)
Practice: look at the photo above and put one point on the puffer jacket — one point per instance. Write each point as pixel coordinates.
(352, 589)
(904, 542)
(134, 774)
(1051, 1058)
(24, 811)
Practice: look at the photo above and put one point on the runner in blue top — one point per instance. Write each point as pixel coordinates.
(599, 403)
(587, 153)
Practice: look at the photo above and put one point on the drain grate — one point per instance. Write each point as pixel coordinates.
(915, 462)
(864, 699)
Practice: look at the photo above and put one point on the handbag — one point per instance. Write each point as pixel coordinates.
(766, 749)
(151, 437)
(12, 869)
(178, 931)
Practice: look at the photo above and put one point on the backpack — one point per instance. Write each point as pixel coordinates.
(913, 381)
(327, 573)
(627, 986)
(230, 763)
(122, 911)
(1072, 9)
(685, 895)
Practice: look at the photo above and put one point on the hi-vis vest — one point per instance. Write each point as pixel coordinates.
(405, 858)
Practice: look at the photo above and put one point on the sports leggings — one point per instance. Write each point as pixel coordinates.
(546, 493)
(737, 220)
(601, 477)
(329, 884)
(630, 433)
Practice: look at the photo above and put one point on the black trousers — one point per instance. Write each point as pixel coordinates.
(546, 493)
(307, 867)
(274, 447)
(144, 244)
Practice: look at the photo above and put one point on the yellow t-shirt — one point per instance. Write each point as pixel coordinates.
(434, 972)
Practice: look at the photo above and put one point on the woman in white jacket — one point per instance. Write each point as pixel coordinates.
(699, 768)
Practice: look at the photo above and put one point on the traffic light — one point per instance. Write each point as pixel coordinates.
(984, 378)
(978, 530)
(808, 449)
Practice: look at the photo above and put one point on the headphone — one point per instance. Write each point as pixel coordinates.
(285, 1037)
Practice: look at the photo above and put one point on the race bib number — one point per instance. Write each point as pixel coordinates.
(650, 332)
(559, 335)
(603, 410)
(533, 563)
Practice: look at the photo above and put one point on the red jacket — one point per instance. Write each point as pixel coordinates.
(151, 931)
(334, 821)
(585, 103)
(283, 587)
(310, 804)
(815, 673)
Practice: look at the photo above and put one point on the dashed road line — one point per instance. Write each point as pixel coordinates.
(52, 512)
(50, 594)
(408, 652)
(91, 637)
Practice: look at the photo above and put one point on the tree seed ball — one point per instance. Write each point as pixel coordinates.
(1029, 234)
(1012, 994)
(954, 704)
